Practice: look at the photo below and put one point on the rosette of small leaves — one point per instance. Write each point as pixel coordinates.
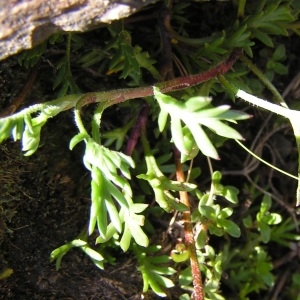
(264, 219)
(154, 269)
(229, 192)
(194, 113)
(248, 271)
(217, 219)
(212, 215)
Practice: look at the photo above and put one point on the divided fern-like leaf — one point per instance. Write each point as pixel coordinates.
(194, 113)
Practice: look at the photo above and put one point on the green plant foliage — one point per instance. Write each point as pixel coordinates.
(213, 215)
(30, 57)
(161, 185)
(232, 240)
(26, 128)
(211, 266)
(105, 166)
(264, 219)
(95, 256)
(249, 271)
(64, 77)
(285, 233)
(92, 57)
(22, 126)
(194, 113)
(275, 64)
(154, 270)
(129, 59)
(118, 135)
(269, 19)
(229, 192)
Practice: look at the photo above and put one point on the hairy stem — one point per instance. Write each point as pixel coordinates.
(121, 95)
(188, 233)
(112, 97)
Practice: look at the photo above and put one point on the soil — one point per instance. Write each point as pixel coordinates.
(41, 209)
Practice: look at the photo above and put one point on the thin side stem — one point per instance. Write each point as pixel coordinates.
(292, 115)
(265, 162)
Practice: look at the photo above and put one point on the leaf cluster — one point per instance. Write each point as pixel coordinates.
(250, 270)
(195, 112)
(264, 219)
(129, 59)
(154, 269)
(110, 173)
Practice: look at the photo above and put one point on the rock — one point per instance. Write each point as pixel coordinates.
(25, 24)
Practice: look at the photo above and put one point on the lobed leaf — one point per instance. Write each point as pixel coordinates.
(194, 113)
(194, 104)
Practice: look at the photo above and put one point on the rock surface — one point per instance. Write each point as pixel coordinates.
(25, 23)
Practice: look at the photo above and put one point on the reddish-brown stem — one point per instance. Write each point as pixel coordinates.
(188, 233)
(192, 80)
(121, 95)
(136, 132)
(166, 65)
(17, 101)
